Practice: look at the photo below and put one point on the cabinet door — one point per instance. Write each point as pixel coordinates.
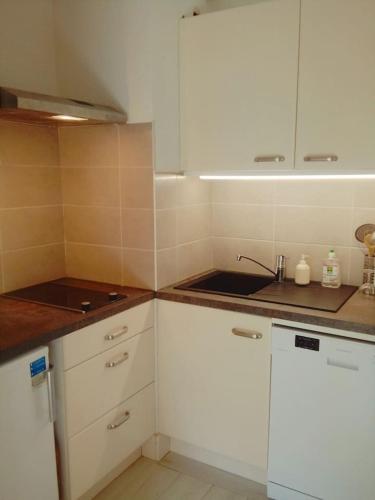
(336, 97)
(239, 87)
(104, 444)
(214, 385)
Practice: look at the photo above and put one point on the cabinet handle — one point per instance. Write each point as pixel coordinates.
(121, 359)
(276, 158)
(114, 336)
(321, 158)
(250, 334)
(119, 422)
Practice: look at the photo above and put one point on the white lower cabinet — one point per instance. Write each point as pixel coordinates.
(115, 374)
(100, 447)
(214, 384)
(105, 398)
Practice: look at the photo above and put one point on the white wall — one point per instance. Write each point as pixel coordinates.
(104, 53)
(213, 5)
(27, 51)
(118, 52)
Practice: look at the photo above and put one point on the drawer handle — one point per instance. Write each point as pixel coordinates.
(116, 362)
(119, 422)
(321, 158)
(114, 336)
(275, 158)
(250, 334)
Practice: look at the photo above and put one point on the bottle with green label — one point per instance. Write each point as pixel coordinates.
(331, 271)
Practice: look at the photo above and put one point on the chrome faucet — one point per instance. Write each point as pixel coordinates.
(280, 271)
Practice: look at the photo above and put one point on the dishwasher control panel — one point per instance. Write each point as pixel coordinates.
(307, 343)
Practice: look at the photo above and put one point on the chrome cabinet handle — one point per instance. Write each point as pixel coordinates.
(51, 411)
(321, 158)
(114, 336)
(275, 158)
(119, 422)
(116, 362)
(250, 334)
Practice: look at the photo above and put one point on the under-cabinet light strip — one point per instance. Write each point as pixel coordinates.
(286, 177)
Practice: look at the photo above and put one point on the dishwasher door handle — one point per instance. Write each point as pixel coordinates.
(342, 364)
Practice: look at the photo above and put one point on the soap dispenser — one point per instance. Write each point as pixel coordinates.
(302, 275)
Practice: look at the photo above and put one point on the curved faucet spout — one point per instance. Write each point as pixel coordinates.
(240, 257)
(280, 268)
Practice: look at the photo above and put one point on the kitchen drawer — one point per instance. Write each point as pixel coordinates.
(92, 340)
(95, 451)
(93, 388)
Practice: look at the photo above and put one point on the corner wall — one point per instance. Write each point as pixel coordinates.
(31, 215)
(107, 181)
(183, 228)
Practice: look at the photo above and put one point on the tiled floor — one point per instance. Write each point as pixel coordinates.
(179, 478)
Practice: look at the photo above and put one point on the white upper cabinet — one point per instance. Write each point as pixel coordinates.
(336, 95)
(239, 87)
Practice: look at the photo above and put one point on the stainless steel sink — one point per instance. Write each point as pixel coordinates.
(228, 283)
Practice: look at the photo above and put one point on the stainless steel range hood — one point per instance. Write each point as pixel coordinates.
(29, 107)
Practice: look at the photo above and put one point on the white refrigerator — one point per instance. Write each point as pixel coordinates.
(27, 447)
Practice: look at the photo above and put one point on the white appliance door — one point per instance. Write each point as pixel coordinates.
(322, 425)
(27, 448)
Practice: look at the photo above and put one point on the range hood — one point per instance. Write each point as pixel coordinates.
(29, 107)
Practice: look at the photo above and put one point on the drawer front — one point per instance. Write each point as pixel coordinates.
(94, 452)
(101, 383)
(94, 339)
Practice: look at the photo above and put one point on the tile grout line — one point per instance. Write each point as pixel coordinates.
(62, 203)
(154, 193)
(122, 236)
(31, 247)
(31, 207)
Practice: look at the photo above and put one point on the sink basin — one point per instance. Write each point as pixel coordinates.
(228, 283)
(266, 289)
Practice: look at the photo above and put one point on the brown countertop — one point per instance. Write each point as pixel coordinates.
(25, 325)
(356, 315)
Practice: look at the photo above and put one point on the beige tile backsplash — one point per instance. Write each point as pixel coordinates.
(265, 218)
(29, 145)
(93, 225)
(29, 186)
(32, 226)
(108, 193)
(88, 146)
(76, 201)
(31, 214)
(91, 186)
(183, 228)
(80, 202)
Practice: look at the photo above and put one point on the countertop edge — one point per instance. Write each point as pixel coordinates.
(258, 310)
(83, 321)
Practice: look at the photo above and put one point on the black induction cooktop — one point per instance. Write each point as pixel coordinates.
(65, 296)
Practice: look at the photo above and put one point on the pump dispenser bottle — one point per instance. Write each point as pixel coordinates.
(331, 271)
(302, 274)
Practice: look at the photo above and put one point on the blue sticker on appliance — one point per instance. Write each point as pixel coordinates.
(38, 366)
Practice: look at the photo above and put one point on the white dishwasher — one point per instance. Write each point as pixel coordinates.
(322, 423)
